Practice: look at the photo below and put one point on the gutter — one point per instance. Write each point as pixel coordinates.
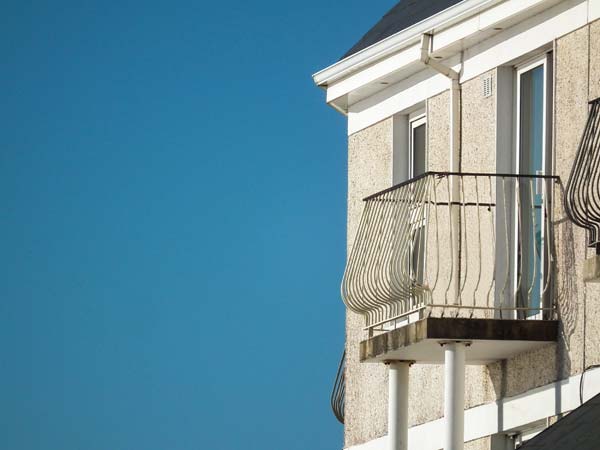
(400, 40)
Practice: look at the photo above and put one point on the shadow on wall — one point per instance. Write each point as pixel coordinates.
(566, 288)
(518, 375)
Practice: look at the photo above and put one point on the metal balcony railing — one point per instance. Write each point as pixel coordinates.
(460, 244)
(582, 200)
(338, 393)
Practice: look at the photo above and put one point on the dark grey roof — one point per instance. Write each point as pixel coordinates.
(578, 430)
(401, 16)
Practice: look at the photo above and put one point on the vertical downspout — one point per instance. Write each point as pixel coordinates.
(454, 154)
(454, 352)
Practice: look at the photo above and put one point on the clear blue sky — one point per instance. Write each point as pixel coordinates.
(173, 224)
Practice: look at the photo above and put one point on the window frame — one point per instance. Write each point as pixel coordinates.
(415, 121)
(545, 61)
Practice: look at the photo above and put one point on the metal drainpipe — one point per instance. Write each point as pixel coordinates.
(454, 352)
(398, 405)
(454, 153)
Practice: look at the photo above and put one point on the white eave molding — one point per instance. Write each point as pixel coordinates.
(395, 58)
(398, 41)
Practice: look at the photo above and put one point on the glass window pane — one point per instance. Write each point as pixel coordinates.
(531, 157)
(418, 150)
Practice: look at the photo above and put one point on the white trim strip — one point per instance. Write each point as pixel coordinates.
(505, 47)
(594, 10)
(466, 21)
(399, 40)
(508, 414)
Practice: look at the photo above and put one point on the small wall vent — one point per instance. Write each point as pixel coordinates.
(487, 86)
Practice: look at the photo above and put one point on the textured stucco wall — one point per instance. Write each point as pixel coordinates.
(478, 444)
(370, 154)
(576, 54)
(594, 60)
(370, 163)
(438, 132)
(592, 294)
(478, 126)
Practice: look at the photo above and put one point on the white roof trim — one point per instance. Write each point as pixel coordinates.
(400, 40)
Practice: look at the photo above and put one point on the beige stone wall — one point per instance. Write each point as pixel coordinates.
(592, 292)
(594, 60)
(577, 53)
(478, 444)
(369, 168)
(478, 126)
(438, 132)
(369, 171)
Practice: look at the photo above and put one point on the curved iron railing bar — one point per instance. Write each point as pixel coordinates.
(452, 256)
(400, 287)
(520, 256)
(593, 187)
(493, 234)
(338, 393)
(478, 244)
(504, 292)
(547, 240)
(582, 199)
(377, 236)
(463, 242)
(437, 239)
(426, 290)
(349, 281)
(418, 196)
(533, 242)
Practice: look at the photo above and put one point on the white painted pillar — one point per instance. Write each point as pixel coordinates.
(454, 395)
(398, 405)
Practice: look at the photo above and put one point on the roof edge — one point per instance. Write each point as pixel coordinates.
(398, 41)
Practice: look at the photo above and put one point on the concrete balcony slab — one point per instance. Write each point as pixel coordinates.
(490, 340)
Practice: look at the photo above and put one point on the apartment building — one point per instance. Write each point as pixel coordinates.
(471, 286)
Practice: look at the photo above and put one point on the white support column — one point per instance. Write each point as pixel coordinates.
(398, 405)
(454, 395)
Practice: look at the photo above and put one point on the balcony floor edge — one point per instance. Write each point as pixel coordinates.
(490, 339)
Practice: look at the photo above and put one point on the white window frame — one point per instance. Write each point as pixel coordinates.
(545, 61)
(414, 122)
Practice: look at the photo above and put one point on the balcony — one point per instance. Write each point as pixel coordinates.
(338, 393)
(455, 257)
(582, 199)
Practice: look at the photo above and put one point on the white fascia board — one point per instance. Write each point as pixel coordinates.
(398, 41)
(452, 28)
(508, 45)
(524, 38)
(398, 97)
(594, 10)
(376, 71)
(505, 11)
(503, 416)
(486, 20)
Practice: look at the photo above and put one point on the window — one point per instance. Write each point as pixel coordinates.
(417, 165)
(532, 158)
(409, 161)
(417, 153)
